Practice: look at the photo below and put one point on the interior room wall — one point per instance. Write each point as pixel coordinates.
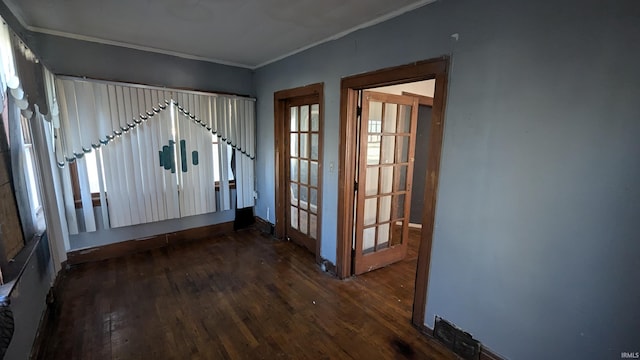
(82, 58)
(536, 220)
(93, 60)
(27, 301)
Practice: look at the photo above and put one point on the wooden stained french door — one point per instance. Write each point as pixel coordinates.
(303, 165)
(384, 175)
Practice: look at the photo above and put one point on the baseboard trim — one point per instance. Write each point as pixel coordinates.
(153, 242)
(488, 354)
(264, 226)
(329, 267)
(485, 353)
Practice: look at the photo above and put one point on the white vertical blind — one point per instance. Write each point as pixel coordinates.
(101, 183)
(69, 203)
(155, 149)
(225, 193)
(87, 201)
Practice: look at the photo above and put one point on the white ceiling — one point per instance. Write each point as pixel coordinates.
(248, 33)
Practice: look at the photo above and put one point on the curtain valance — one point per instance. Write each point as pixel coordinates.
(21, 73)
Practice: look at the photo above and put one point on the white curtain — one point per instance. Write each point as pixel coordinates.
(32, 104)
(153, 149)
(9, 76)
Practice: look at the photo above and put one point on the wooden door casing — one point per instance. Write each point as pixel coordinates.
(438, 69)
(282, 99)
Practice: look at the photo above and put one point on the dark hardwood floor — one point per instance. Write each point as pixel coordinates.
(243, 295)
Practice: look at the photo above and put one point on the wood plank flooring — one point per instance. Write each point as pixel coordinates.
(238, 296)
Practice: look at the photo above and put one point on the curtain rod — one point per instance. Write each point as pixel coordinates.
(141, 86)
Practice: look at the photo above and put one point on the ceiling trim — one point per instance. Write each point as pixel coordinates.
(17, 13)
(133, 46)
(19, 16)
(339, 35)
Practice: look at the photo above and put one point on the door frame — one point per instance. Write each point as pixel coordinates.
(280, 99)
(437, 69)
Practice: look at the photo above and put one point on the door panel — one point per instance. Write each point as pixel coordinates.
(385, 170)
(303, 172)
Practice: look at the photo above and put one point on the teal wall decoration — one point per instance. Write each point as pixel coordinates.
(194, 158)
(183, 154)
(166, 156)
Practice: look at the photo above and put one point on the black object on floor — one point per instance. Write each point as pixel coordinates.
(244, 218)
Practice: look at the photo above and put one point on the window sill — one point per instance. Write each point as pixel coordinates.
(95, 197)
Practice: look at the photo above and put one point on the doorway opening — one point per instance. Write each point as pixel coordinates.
(378, 131)
(298, 138)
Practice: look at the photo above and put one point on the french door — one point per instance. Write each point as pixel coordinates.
(384, 176)
(303, 166)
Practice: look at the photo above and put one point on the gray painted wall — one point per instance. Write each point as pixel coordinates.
(536, 242)
(82, 58)
(28, 301)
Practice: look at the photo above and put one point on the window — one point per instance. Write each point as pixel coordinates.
(375, 127)
(31, 174)
(30, 171)
(165, 156)
(216, 143)
(92, 172)
(94, 184)
(93, 177)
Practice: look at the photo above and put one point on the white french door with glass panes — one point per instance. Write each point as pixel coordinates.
(303, 171)
(385, 171)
